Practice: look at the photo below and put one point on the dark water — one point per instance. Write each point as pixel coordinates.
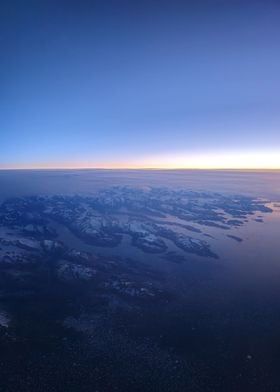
(219, 333)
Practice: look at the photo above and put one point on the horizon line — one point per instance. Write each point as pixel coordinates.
(156, 168)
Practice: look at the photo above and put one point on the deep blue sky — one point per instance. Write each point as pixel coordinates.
(138, 82)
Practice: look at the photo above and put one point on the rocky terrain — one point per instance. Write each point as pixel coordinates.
(75, 305)
(148, 217)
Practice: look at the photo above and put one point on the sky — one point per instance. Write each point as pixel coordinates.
(140, 84)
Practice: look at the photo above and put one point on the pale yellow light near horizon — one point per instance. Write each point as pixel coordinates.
(227, 160)
(230, 160)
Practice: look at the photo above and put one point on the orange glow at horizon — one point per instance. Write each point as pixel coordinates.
(241, 161)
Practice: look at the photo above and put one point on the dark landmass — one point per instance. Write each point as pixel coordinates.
(260, 220)
(234, 237)
(121, 291)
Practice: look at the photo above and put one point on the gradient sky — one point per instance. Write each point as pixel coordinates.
(140, 83)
